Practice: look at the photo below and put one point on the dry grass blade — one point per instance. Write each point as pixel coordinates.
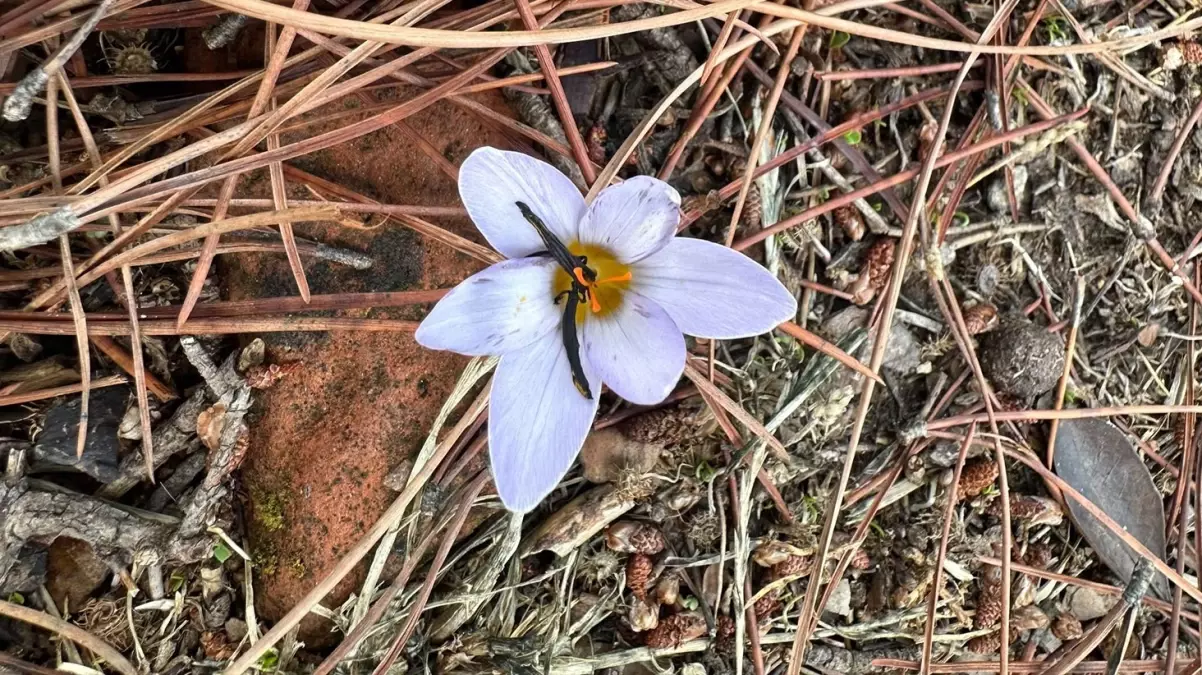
(813, 341)
(753, 425)
(137, 367)
(66, 390)
(71, 632)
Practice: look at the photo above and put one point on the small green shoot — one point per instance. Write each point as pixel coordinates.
(221, 552)
(705, 473)
(853, 137)
(269, 661)
(16, 598)
(839, 38)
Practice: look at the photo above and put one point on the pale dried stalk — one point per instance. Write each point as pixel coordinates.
(127, 281)
(71, 632)
(443, 39)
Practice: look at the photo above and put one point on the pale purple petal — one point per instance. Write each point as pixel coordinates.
(712, 291)
(537, 421)
(502, 308)
(636, 349)
(492, 181)
(632, 219)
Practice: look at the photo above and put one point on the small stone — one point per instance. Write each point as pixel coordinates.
(999, 193)
(1021, 358)
(1087, 604)
(73, 572)
(56, 445)
(236, 629)
(840, 601)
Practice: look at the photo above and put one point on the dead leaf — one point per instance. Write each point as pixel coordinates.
(1098, 461)
(209, 424)
(1148, 334)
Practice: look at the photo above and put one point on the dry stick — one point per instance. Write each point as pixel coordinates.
(753, 425)
(419, 604)
(1136, 589)
(1185, 488)
(218, 326)
(1065, 373)
(558, 97)
(126, 362)
(526, 78)
(26, 397)
(427, 37)
(278, 53)
(250, 308)
(905, 246)
(818, 344)
(928, 641)
(71, 632)
(20, 101)
(765, 127)
(96, 81)
(362, 547)
(138, 365)
(902, 177)
(1162, 179)
(1069, 414)
(305, 213)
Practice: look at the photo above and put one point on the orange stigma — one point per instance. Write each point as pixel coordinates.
(593, 302)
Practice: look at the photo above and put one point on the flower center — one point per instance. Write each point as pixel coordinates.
(605, 292)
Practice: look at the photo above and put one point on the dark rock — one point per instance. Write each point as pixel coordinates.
(1021, 358)
(74, 572)
(55, 448)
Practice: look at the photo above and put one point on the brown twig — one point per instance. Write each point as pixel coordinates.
(71, 632)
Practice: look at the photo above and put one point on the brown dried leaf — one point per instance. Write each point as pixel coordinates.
(1098, 461)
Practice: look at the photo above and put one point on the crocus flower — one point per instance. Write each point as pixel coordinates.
(637, 290)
